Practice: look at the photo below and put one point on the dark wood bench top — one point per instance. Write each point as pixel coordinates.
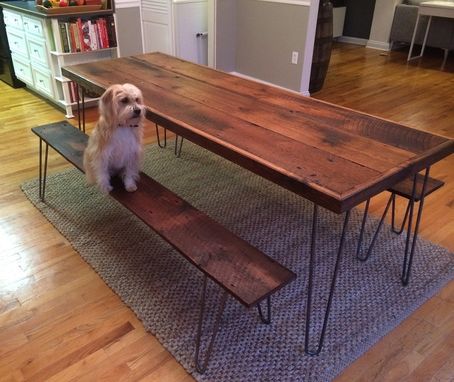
(405, 187)
(246, 273)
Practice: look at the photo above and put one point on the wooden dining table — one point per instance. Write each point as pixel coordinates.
(331, 155)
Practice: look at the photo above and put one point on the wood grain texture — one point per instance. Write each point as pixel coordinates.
(246, 273)
(45, 287)
(331, 155)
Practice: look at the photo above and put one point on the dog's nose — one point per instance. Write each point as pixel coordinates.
(137, 111)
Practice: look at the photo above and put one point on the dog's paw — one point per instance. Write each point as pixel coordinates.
(130, 187)
(105, 187)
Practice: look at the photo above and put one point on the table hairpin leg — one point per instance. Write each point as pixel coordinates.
(267, 319)
(409, 248)
(408, 257)
(81, 107)
(42, 171)
(393, 216)
(361, 233)
(202, 365)
(310, 282)
(178, 148)
(159, 138)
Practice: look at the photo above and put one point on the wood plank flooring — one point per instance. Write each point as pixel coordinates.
(60, 322)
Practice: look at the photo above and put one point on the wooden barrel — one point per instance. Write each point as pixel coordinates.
(322, 46)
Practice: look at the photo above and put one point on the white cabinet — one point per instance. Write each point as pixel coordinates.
(29, 43)
(38, 52)
(177, 27)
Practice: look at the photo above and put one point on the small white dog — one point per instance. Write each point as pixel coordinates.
(115, 147)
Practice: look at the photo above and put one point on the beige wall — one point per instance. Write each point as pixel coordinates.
(257, 38)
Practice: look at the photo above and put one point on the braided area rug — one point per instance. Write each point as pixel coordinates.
(163, 289)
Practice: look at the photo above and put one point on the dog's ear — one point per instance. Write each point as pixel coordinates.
(107, 105)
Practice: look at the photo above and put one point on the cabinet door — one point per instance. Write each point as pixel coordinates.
(191, 27)
(43, 81)
(12, 19)
(33, 26)
(37, 51)
(17, 42)
(22, 69)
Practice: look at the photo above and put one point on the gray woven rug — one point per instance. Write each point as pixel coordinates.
(163, 289)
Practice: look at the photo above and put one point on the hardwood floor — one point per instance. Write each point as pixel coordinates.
(59, 321)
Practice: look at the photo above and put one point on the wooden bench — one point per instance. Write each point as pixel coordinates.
(240, 269)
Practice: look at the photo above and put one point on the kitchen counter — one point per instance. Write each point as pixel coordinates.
(29, 8)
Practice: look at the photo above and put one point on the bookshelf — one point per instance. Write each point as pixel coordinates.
(79, 39)
(42, 43)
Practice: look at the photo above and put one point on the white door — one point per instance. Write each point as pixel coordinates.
(191, 31)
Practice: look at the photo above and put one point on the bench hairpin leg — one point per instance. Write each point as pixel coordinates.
(178, 149)
(393, 218)
(201, 366)
(83, 109)
(361, 234)
(42, 172)
(267, 319)
(78, 106)
(310, 281)
(408, 256)
(159, 138)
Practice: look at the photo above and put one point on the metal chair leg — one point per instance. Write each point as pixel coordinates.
(202, 365)
(267, 319)
(408, 256)
(159, 138)
(178, 149)
(42, 171)
(393, 214)
(374, 238)
(310, 282)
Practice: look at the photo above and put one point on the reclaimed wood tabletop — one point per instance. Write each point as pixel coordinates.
(331, 155)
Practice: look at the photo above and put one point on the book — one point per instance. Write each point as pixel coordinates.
(63, 37)
(111, 31)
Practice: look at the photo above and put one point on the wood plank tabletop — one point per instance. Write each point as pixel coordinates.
(331, 155)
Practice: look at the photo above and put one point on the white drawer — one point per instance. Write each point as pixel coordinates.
(37, 51)
(17, 42)
(22, 69)
(33, 26)
(43, 81)
(12, 19)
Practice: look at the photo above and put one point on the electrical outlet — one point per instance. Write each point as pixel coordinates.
(294, 57)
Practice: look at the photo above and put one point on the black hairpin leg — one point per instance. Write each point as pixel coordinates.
(408, 256)
(159, 138)
(267, 319)
(81, 107)
(202, 365)
(178, 148)
(393, 216)
(374, 238)
(78, 108)
(310, 282)
(42, 169)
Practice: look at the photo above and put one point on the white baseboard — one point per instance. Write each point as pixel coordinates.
(267, 83)
(380, 45)
(352, 40)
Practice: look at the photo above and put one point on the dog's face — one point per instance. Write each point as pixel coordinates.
(122, 105)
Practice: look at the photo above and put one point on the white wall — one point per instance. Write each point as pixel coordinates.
(381, 24)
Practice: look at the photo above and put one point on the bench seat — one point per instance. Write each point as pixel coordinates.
(247, 274)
